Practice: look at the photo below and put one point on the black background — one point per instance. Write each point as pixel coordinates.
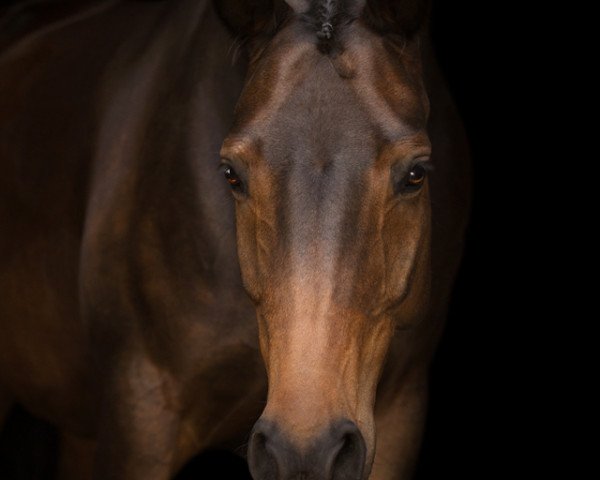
(476, 427)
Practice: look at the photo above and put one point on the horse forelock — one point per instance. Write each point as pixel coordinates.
(328, 18)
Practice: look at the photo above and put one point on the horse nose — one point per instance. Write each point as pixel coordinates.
(337, 453)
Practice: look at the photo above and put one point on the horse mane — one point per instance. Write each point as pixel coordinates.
(256, 21)
(400, 18)
(327, 18)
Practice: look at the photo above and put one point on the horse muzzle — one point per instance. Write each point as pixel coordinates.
(338, 452)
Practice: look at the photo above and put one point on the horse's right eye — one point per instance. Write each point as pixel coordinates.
(232, 178)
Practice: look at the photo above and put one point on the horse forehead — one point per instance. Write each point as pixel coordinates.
(321, 116)
(298, 95)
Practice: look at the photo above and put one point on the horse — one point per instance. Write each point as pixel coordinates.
(223, 222)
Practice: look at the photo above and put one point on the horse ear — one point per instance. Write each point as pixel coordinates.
(299, 6)
(402, 17)
(247, 18)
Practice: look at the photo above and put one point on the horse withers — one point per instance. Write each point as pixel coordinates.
(152, 302)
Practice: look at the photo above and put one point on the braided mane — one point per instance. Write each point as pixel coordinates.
(327, 18)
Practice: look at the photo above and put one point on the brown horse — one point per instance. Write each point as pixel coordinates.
(142, 295)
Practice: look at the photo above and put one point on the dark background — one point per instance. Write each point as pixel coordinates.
(476, 427)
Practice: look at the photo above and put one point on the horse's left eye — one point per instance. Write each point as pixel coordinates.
(414, 179)
(232, 178)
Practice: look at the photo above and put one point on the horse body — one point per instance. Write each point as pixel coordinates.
(124, 318)
(105, 221)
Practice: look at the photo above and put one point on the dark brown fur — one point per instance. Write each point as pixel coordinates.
(123, 316)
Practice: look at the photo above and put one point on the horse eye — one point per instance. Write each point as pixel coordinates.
(232, 178)
(415, 179)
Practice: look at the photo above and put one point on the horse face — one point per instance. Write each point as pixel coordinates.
(328, 162)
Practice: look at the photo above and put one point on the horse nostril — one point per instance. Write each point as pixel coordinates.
(349, 461)
(262, 463)
(337, 453)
